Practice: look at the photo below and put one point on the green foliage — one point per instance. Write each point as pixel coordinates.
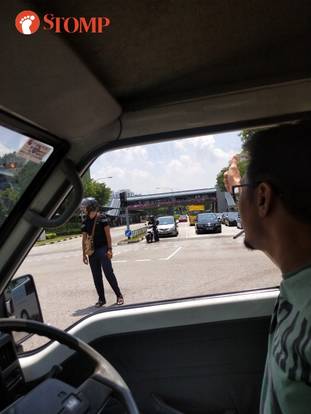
(220, 179)
(8, 199)
(246, 135)
(50, 236)
(68, 228)
(26, 175)
(100, 191)
(22, 174)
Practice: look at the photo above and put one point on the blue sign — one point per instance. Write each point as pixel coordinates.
(128, 233)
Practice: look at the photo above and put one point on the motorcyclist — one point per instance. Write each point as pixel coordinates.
(154, 223)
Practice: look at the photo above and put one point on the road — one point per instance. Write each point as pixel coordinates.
(176, 267)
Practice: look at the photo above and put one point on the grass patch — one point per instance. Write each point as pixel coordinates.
(54, 240)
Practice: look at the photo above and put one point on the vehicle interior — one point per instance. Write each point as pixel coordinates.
(162, 70)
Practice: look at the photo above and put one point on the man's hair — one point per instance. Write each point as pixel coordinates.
(281, 156)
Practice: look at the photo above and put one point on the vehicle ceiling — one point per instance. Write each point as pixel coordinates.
(155, 53)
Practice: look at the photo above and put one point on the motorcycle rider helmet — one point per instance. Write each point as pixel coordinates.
(89, 204)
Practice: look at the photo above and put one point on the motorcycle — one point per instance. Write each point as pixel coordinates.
(149, 235)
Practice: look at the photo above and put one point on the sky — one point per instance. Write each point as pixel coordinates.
(170, 166)
(184, 164)
(11, 141)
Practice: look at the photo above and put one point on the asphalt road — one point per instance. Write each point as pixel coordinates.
(176, 267)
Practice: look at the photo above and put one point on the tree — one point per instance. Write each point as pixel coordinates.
(246, 135)
(220, 179)
(100, 191)
(8, 199)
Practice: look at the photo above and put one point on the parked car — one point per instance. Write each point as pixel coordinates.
(183, 218)
(219, 217)
(230, 218)
(167, 226)
(206, 223)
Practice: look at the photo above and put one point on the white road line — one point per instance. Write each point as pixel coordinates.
(143, 260)
(119, 261)
(173, 254)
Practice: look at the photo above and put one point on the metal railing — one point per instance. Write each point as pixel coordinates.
(139, 232)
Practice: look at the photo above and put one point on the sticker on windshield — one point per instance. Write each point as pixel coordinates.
(34, 151)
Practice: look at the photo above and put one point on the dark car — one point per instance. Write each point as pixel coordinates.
(230, 218)
(207, 222)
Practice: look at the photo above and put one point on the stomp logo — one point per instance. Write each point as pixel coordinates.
(28, 22)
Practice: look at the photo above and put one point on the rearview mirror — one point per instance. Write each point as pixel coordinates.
(21, 301)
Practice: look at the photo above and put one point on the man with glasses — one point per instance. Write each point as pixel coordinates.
(274, 201)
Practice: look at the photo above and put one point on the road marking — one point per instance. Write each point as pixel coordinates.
(143, 260)
(173, 254)
(119, 261)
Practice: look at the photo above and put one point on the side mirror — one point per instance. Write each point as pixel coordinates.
(21, 301)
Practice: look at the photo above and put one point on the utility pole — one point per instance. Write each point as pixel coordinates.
(123, 204)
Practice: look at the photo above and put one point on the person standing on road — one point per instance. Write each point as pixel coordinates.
(275, 208)
(97, 224)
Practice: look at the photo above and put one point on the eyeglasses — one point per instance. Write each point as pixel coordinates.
(236, 191)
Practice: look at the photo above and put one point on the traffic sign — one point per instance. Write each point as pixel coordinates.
(128, 233)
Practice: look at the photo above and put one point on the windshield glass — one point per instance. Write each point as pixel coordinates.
(206, 217)
(169, 180)
(166, 220)
(21, 158)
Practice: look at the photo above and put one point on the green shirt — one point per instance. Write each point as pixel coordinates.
(286, 385)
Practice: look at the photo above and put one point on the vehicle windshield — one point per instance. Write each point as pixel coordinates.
(233, 215)
(21, 158)
(170, 179)
(206, 217)
(166, 220)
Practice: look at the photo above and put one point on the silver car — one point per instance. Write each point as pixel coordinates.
(167, 226)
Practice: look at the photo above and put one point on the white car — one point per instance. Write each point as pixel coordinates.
(167, 226)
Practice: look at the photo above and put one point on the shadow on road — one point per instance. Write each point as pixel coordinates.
(89, 310)
(85, 311)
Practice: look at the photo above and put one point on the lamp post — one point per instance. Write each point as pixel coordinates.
(103, 178)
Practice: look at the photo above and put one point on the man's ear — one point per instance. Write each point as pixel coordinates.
(264, 199)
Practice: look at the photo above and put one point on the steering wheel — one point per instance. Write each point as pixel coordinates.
(103, 371)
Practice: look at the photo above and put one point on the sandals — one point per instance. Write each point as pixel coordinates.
(120, 300)
(99, 304)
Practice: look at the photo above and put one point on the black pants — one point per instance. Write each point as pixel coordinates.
(99, 261)
(155, 233)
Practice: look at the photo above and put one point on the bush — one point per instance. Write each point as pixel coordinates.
(67, 229)
(50, 236)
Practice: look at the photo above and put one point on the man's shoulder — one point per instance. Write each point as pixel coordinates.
(296, 290)
(102, 219)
